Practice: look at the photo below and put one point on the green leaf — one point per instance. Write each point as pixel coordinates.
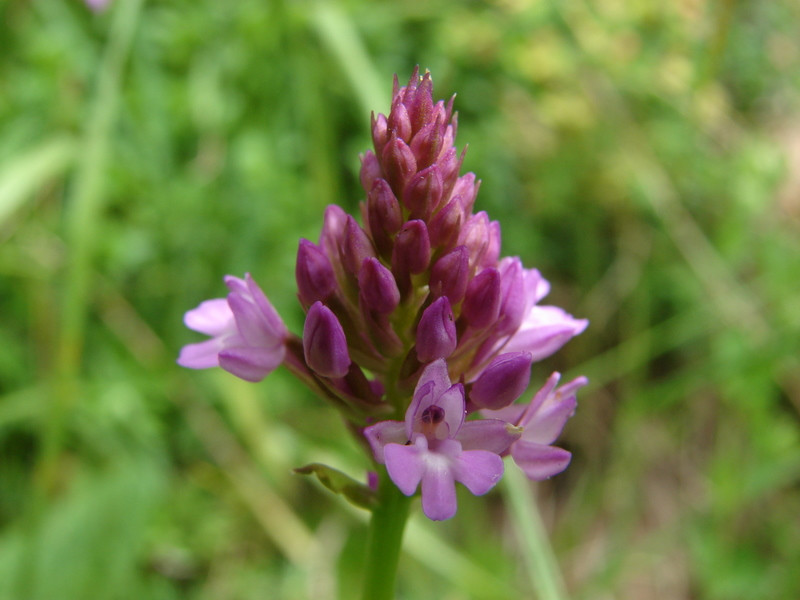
(356, 493)
(21, 177)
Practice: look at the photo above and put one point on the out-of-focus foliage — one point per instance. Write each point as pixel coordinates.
(645, 156)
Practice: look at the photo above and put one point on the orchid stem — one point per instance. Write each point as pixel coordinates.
(384, 540)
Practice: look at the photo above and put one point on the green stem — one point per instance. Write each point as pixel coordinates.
(385, 539)
(536, 550)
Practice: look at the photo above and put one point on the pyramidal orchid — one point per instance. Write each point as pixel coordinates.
(417, 330)
(428, 447)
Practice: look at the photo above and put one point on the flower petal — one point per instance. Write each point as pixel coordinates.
(493, 435)
(433, 382)
(436, 372)
(539, 461)
(250, 322)
(405, 464)
(454, 406)
(478, 470)
(509, 414)
(236, 285)
(383, 433)
(539, 398)
(251, 364)
(277, 328)
(211, 317)
(438, 488)
(536, 286)
(202, 355)
(544, 331)
(548, 422)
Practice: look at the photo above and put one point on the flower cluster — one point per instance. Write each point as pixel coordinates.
(416, 328)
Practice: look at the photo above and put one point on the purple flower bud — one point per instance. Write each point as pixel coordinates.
(420, 105)
(427, 143)
(449, 115)
(332, 232)
(384, 215)
(440, 113)
(514, 297)
(356, 246)
(399, 163)
(482, 301)
(423, 193)
(412, 248)
(467, 187)
(448, 138)
(314, 274)
(492, 246)
(380, 132)
(449, 165)
(450, 275)
(370, 170)
(436, 332)
(399, 122)
(475, 236)
(377, 287)
(446, 224)
(324, 342)
(503, 381)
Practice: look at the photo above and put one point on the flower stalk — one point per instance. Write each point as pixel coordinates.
(384, 540)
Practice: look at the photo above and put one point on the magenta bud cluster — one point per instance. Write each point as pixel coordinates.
(411, 314)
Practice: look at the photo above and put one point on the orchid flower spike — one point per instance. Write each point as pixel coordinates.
(416, 328)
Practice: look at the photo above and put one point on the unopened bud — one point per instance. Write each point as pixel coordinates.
(446, 224)
(450, 275)
(398, 121)
(370, 170)
(503, 381)
(482, 300)
(380, 133)
(436, 332)
(324, 342)
(356, 246)
(332, 232)
(449, 165)
(377, 287)
(314, 274)
(384, 215)
(420, 106)
(412, 248)
(475, 236)
(427, 143)
(467, 188)
(423, 193)
(514, 296)
(492, 252)
(399, 164)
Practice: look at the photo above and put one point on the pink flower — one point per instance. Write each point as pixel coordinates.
(436, 447)
(542, 422)
(247, 335)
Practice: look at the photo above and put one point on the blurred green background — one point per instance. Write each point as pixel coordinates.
(645, 156)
